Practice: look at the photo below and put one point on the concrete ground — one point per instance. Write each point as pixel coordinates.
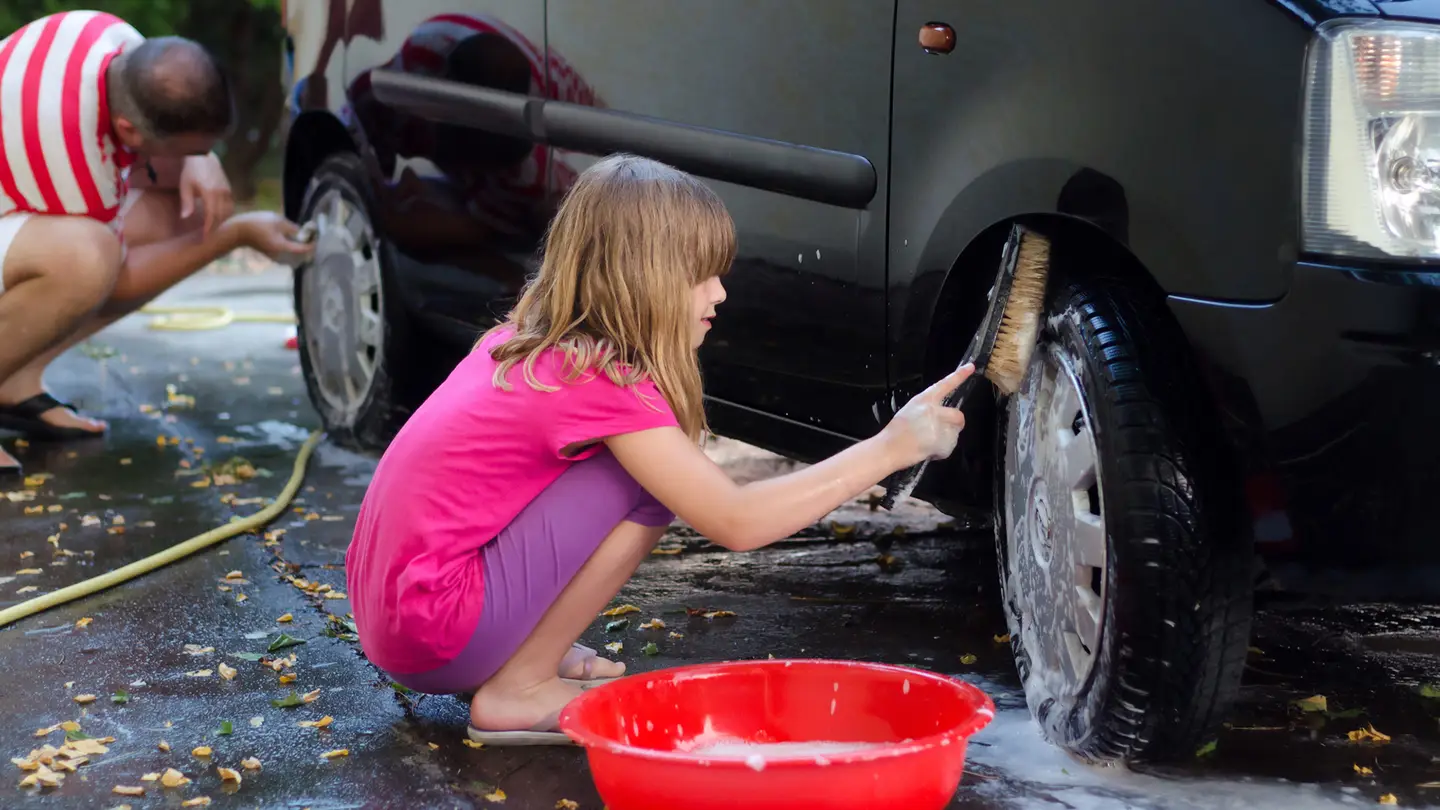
(905, 588)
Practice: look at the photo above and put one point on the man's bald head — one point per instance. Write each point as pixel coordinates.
(167, 87)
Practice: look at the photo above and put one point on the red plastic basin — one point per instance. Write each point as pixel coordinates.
(651, 738)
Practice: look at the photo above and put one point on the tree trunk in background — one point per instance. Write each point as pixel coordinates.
(247, 40)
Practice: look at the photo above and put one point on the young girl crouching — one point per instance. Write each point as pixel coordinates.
(521, 496)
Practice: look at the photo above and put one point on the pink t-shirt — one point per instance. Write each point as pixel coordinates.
(462, 467)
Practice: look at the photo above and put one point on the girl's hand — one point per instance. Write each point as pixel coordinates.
(925, 429)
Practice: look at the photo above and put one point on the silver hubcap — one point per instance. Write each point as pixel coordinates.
(1056, 547)
(343, 304)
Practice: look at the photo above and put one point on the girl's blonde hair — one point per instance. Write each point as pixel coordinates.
(630, 241)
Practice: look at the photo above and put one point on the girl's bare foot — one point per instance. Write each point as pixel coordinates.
(581, 658)
(501, 707)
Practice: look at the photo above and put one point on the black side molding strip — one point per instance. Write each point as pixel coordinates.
(820, 175)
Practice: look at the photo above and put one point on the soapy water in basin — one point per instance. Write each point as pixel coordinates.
(739, 748)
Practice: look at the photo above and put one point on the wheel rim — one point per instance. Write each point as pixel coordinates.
(1057, 550)
(343, 304)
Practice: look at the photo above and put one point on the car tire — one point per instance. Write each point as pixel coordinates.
(1123, 558)
(353, 334)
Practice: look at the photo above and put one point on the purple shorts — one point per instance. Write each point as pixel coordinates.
(531, 561)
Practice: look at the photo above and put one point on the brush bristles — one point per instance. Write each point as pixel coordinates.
(1020, 322)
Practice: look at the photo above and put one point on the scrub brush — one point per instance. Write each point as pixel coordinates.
(1001, 349)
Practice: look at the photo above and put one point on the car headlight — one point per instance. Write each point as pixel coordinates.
(1371, 153)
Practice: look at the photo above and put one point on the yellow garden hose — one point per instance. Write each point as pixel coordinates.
(198, 318)
(183, 549)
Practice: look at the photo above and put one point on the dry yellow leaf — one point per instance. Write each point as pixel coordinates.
(338, 752)
(198, 801)
(201, 751)
(967, 659)
(250, 764)
(498, 796)
(240, 597)
(615, 646)
(235, 575)
(226, 671)
(1389, 798)
(229, 775)
(196, 649)
(309, 697)
(621, 610)
(25, 555)
(27, 589)
(1005, 639)
(653, 624)
(288, 677)
(1368, 733)
(566, 804)
(29, 571)
(173, 778)
(150, 777)
(469, 743)
(321, 723)
(83, 699)
(674, 634)
(433, 746)
(124, 790)
(287, 617)
(201, 673)
(163, 746)
(70, 725)
(1314, 703)
(84, 622)
(1363, 771)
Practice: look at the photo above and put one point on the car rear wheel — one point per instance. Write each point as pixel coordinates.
(1124, 566)
(352, 333)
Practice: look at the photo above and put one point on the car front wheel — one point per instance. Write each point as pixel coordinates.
(352, 334)
(1124, 565)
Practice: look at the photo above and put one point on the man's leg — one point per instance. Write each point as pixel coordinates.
(58, 270)
(161, 250)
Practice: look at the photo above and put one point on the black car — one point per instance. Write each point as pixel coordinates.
(1238, 355)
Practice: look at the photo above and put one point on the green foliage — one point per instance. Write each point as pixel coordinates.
(153, 18)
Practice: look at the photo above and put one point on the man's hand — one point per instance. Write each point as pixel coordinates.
(267, 232)
(203, 177)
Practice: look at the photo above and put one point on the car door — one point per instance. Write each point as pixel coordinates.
(464, 208)
(783, 105)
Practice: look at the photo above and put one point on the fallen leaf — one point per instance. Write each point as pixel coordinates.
(321, 723)
(229, 775)
(257, 721)
(718, 614)
(226, 671)
(1389, 798)
(120, 696)
(84, 622)
(163, 746)
(283, 641)
(83, 699)
(226, 728)
(615, 646)
(1314, 703)
(1005, 639)
(1368, 733)
(201, 673)
(289, 701)
(240, 597)
(201, 751)
(469, 743)
(497, 797)
(287, 617)
(652, 649)
(1207, 749)
(338, 752)
(288, 677)
(435, 747)
(250, 764)
(29, 571)
(173, 778)
(310, 697)
(196, 649)
(27, 589)
(621, 611)
(150, 777)
(653, 624)
(125, 790)
(617, 625)
(967, 659)
(198, 801)
(566, 804)
(1364, 771)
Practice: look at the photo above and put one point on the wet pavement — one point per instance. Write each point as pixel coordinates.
(910, 589)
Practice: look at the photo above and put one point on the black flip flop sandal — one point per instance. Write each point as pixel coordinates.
(25, 417)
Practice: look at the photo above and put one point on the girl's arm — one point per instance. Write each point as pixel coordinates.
(741, 518)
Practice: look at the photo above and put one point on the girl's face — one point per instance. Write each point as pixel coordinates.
(704, 298)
